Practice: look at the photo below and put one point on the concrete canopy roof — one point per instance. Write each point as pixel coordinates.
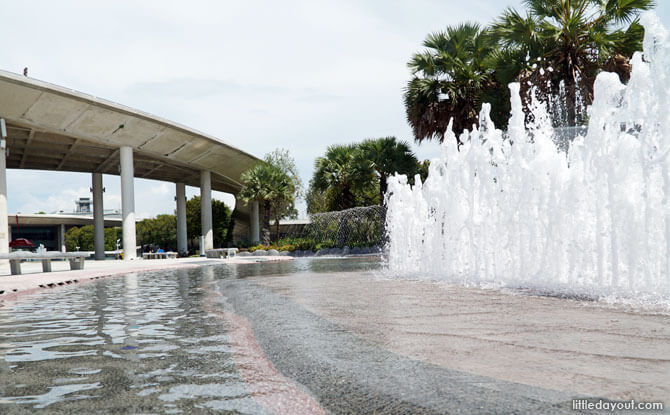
(54, 128)
(52, 220)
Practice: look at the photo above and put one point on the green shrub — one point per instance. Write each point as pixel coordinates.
(83, 236)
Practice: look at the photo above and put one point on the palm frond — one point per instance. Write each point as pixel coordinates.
(626, 11)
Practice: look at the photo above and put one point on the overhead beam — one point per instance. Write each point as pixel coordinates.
(69, 152)
(155, 136)
(103, 166)
(230, 181)
(200, 156)
(31, 135)
(153, 169)
(193, 178)
(77, 118)
(177, 150)
(37, 99)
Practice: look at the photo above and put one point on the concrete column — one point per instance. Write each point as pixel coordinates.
(182, 237)
(98, 217)
(254, 223)
(4, 223)
(206, 210)
(61, 238)
(128, 203)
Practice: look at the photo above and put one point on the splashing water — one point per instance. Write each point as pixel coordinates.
(512, 210)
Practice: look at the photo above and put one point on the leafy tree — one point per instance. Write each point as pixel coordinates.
(222, 221)
(87, 238)
(83, 237)
(72, 239)
(449, 81)
(330, 200)
(355, 175)
(161, 231)
(317, 200)
(343, 175)
(284, 207)
(559, 46)
(273, 188)
(283, 159)
(556, 48)
(387, 156)
(111, 236)
(276, 184)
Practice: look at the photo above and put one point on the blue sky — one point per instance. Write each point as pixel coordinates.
(258, 74)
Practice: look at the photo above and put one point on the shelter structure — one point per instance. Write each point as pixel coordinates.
(49, 230)
(48, 127)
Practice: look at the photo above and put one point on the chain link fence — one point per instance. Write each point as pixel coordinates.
(355, 227)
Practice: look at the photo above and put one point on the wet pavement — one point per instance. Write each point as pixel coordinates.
(583, 347)
(313, 336)
(350, 375)
(33, 279)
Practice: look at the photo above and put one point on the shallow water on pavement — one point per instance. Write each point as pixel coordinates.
(316, 336)
(141, 343)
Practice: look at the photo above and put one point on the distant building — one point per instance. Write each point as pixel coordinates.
(49, 229)
(84, 205)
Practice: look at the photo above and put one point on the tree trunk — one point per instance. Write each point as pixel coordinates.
(347, 198)
(571, 88)
(266, 223)
(383, 186)
(277, 225)
(571, 101)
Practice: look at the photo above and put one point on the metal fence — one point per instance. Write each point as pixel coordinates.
(355, 227)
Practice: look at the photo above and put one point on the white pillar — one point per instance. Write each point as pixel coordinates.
(182, 238)
(254, 223)
(98, 217)
(206, 210)
(128, 203)
(4, 222)
(61, 237)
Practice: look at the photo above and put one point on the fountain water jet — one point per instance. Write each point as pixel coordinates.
(512, 210)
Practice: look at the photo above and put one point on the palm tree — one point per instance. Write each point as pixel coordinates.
(448, 81)
(387, 156)
(343, 172)
(284, 208)
(563, 44)
(272, 188)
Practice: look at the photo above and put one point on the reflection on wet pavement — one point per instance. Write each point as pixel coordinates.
(133, 344)
(240, 339)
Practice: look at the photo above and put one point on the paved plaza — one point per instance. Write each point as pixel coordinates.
(577, 347)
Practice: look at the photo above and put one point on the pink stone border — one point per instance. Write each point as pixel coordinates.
(265, 384)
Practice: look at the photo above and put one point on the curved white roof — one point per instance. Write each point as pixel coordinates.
(54, 128)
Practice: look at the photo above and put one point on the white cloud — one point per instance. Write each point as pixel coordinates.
(160, 189)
